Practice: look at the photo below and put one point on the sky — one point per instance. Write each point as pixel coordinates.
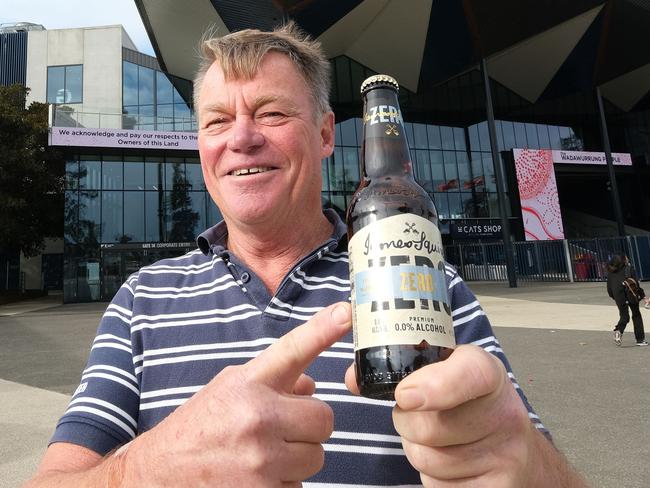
(63, 14)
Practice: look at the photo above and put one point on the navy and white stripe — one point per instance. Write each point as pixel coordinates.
(176, 324)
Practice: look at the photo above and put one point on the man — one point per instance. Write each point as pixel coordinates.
(619, 270)
(198, 366)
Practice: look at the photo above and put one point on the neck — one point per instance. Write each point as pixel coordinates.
(274, 252)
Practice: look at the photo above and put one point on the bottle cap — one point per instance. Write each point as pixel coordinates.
(376, 80)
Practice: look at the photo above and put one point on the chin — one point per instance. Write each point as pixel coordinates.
(257, 212)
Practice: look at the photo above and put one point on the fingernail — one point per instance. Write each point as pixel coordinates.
(409, 398)
(340, 314)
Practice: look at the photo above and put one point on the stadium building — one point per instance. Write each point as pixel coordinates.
(527, 121)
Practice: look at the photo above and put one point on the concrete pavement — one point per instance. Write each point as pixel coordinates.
(593, 396)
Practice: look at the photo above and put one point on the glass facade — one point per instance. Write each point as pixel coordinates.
(65, 84)
(452, 161)
(453, 164)
(153, 100)
(128, 202)
(125, 209)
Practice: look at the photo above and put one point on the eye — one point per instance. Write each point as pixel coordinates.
(216, 122)
(271, 117)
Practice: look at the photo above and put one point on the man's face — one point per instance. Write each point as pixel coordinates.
(261, 144)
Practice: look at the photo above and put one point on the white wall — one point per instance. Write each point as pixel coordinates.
(36, 78)
(103, 72)
(32, 267)
(98, 49)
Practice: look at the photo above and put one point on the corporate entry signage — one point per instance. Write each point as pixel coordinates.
(540, 207)
(125, 138)
(475, 229)
(147, 245)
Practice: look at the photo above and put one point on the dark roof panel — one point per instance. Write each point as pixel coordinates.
(249, 14)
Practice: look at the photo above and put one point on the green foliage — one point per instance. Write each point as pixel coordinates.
(31, 175)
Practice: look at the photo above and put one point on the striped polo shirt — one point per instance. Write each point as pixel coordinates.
(174, 325)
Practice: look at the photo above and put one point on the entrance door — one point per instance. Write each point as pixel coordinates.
(52, 271)
(117, 266)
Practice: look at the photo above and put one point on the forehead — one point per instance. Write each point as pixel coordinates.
(275, 71)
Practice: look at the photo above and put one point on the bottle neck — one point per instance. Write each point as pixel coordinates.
(385, 150)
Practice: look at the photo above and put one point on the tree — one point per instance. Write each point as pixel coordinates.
(31, 175)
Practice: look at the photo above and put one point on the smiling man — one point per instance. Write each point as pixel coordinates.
(262, 138)
(226, 366)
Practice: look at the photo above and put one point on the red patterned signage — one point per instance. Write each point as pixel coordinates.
(540, 207)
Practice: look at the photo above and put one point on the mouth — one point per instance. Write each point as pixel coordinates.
(250, 171)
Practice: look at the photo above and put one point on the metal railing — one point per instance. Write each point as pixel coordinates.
(565, 260)
(64, 116)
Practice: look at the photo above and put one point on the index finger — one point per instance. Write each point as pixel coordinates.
(282, 363)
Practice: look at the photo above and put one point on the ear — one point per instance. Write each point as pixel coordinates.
(327, 134)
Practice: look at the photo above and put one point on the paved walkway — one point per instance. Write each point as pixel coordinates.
(593, 396)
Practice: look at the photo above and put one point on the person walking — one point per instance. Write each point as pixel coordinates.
(618, 269)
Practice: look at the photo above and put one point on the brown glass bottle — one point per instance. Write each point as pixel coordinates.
(401, 313)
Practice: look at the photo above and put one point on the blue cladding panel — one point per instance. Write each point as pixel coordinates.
(13, 58)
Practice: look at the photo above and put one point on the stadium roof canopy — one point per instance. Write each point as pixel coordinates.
(537, 49)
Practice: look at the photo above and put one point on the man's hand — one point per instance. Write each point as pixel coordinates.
(252, 425)
(463, 424)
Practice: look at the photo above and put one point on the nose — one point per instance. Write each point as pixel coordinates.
(245, 135)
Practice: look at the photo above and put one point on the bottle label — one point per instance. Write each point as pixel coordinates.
(383, 121)
(398, 288)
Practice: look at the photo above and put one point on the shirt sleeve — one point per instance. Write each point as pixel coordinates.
(103, 411)
(471, 326)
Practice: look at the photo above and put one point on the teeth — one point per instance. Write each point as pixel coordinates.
(249, 171)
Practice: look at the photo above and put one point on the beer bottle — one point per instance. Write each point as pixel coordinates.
(401, 310)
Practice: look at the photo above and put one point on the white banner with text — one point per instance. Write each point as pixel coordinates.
(584, 157)
(126, 138)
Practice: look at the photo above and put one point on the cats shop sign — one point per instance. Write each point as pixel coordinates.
(540, 207)
(125, 138)
(475, 229)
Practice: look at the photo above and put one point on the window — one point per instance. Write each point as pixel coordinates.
(164, 89)
(423, 169)
(134, 210)
(133, 174)
(350, 168)
(153, 100)
(420, 136)
(65, 84)
(145, 86)
(71, 174)
(193, 174)
(130, 85)
(154, 216)
(112, 173)
(112, 216)
(90, 170)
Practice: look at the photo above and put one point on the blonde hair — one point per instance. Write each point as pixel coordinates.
(240, 53)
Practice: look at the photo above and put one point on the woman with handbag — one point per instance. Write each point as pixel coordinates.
(626, 297)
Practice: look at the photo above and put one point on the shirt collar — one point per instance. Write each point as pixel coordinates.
(214, 239)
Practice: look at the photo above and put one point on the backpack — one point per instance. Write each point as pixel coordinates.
(633, 292)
